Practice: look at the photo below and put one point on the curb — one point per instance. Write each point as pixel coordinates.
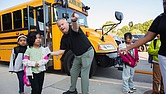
(143, 72)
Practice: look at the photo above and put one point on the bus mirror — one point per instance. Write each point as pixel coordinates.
(119, 15)
(64, 3)
(65, 15)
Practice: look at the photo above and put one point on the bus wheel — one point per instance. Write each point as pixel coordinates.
(93, 68)
(68, 62)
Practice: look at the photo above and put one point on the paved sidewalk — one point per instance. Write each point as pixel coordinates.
(57, 84)
(143, 66)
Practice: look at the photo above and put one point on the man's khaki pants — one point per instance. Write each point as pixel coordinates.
(81, 64)
(157, 79)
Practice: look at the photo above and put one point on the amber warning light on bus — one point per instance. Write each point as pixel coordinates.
(87, 34)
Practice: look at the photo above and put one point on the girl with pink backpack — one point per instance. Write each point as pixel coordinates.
(130, 60)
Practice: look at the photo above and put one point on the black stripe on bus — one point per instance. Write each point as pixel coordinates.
(20, 29)
(4, 62)
(8, 43)
(13, 37)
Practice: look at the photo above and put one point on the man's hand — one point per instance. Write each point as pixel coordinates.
(130, 63)
(136, 63)
(54, 53)
(123, 51)
(74, 17)
(58, 52)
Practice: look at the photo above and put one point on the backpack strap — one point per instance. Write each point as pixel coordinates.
(154, 43)
(16, 50)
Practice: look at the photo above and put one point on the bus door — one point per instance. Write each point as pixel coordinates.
(43, 22)
(39, 19)
(47, 23)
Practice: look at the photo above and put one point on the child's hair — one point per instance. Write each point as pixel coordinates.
(21, 36)
(31, 38)
(128, 34)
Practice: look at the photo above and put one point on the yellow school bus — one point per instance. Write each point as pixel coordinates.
(40, 16)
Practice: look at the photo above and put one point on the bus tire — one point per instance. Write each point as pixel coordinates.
(93, 68)
(68, 62)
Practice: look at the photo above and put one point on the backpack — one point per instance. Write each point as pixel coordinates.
(16, 51)
(150, 58)
(25, 78)
(128, 57)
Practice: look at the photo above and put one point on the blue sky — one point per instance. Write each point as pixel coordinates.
(101, 11)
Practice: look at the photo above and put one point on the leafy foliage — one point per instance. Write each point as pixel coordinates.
(139, 28)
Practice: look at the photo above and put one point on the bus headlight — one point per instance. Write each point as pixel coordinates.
(106, 47)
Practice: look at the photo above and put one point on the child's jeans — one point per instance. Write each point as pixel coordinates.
(36, 82)
(127, 77)
(20, 75)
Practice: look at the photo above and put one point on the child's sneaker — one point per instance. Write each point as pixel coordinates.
(129, 92)
(134, 89)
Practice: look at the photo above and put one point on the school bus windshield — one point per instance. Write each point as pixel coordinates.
(59, 11)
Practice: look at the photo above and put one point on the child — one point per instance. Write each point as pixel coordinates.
(130, 60)
(35, 59)
(16, 64)
(157, 77)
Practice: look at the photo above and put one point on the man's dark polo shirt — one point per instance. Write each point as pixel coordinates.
(77, 42)
(159, 27)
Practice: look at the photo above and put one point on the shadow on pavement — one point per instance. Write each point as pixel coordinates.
(148, 92)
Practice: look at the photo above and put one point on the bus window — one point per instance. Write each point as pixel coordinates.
(17, 19)
(82, 18)
(26, 18)
(58, 11)
(40, 19)
(55, 14)
(7, 21)
(0, 23)
(40, 24)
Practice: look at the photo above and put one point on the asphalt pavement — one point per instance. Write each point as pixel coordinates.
(58, 83)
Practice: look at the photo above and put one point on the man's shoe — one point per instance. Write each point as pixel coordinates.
(134, 89)
(70, 92)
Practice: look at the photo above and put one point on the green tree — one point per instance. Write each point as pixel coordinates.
(125, 29)
(146, 26)
(139, 28)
